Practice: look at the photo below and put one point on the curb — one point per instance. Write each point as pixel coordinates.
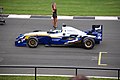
(63, 17)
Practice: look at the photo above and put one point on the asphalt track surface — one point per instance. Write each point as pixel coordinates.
(59, 56)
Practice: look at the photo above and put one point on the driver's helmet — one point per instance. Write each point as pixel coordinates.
(64, 25)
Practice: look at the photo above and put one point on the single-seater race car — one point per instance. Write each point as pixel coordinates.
(66, 36)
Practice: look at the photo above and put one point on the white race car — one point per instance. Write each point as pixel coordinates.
(68, 35)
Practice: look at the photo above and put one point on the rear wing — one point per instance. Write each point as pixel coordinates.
(97, 30)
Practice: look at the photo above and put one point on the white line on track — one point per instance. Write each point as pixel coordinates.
(63, 17)
(54, 75)
(105, 18)
(19, 16)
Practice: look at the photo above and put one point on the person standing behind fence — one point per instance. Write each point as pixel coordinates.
(54, 10)
(79, 77)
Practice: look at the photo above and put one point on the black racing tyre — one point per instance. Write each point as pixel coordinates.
(88, 43)
(32, 42)
(2, 23)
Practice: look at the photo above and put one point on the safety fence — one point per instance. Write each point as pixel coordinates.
(61, 67)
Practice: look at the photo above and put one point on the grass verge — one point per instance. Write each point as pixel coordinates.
(65, 7)
(42, 78)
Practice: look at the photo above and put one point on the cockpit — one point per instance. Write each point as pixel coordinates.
(54, 31)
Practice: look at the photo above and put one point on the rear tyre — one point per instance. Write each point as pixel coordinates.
(32, 42)
(88, 43)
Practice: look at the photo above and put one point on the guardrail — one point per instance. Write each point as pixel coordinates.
(60, 67)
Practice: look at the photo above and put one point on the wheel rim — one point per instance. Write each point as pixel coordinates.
(88, 43)
(32, 43)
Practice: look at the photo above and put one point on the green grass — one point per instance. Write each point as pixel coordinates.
(65, 7)
(31, 78)
(40, 78)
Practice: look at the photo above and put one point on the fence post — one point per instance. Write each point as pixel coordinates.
(76, 72)
(118, 73)
(35, 73)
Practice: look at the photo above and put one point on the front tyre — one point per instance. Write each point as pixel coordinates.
(88, 43)
(32, 42)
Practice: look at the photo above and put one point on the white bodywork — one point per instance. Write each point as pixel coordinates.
(73, 31)
(66, 31)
